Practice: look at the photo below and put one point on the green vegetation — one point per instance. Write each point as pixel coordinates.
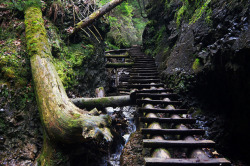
(193, 10)
(21, 5)
(68, 64)
(158, 39)
(196, 64)
(199, 11)
(126, 25)
(14, 63)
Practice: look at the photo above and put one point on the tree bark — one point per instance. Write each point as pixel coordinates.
(97, 14)
(62, 121)
(114, 101)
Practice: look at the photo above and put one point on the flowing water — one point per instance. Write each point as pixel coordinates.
(127, 113)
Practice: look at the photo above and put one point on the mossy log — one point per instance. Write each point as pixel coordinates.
(119, 65)
(62, 121)
(113, 101)
(97, 14)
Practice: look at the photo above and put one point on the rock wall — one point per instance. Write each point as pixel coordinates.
(202, 50)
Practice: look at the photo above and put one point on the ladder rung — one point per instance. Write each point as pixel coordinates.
(186, 162)
(153, 143)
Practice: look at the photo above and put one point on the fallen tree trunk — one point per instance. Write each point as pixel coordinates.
(97, 14)
(113, 101)
(62, 121)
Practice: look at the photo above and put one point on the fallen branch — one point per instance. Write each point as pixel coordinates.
(97, 14)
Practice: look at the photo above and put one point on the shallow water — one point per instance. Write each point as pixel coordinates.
(113, 159)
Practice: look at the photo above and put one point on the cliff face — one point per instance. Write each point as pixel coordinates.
(202, 48)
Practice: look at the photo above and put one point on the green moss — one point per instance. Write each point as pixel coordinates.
(199, 11)
(8, 72)
(35, 33)
(69, 59)
(196, 64)
(52, 154)
(14, 64)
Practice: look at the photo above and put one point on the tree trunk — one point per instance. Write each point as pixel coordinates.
(114, 101)
(97, 14)
(62, 121)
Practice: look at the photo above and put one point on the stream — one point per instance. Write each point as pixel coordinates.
(127, 114)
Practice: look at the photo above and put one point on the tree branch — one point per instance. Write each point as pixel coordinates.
(97, 14)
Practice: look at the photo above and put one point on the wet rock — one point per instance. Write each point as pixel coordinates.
(29, 151)
(132, 152)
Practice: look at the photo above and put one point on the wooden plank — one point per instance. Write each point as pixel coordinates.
(143, 71)
(168, 120)
(116, 51)
(159, 110)
(144, 80)
(117, 56)
(143, 101)
(154, 90)
(145, 77)
(186, 162)
(143, 63)
(153, 143)
(143, 68)
(173, 131)
(144, 59)
(119, 65)
(155, 95)
(144, 74)
(144, 85)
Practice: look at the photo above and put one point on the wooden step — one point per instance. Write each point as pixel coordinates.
(117, 56)
(117, 51)
(168, 120)
(144, 80)
(145, 57)
(119, 65)
(143, 63)
(144, 74)
(122, 89)
(150, 69)
(156, 95)
(143, 68)
(153, 143)
(144, 85)
(173, 131)
(159, 110)
(186, 162)
(145, 77)
(154, 102)
(142, 71)
(154, 90)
